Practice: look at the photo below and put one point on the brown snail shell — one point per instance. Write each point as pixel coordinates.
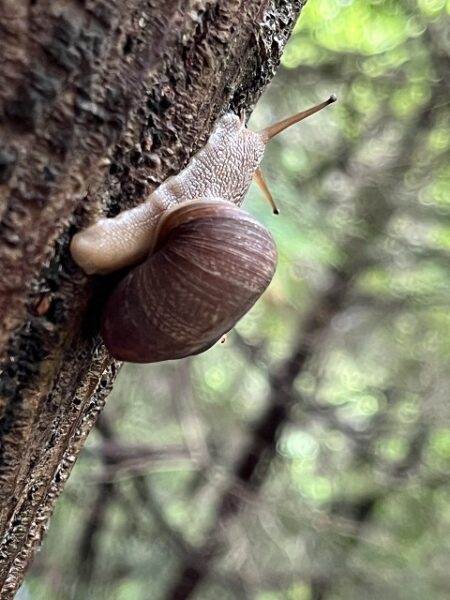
(211, 261)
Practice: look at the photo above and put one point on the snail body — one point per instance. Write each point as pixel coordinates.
(197, 262)
(223, 168)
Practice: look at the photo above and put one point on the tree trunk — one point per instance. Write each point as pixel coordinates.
(100, 101)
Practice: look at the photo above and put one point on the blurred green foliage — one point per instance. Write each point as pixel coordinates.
(355, 502)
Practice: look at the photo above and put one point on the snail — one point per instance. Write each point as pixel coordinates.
(196, 262)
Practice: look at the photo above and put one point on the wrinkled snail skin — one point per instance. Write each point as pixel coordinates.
(223, 168)
(210, 269)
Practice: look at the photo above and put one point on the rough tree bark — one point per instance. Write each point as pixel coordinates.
(100, 101)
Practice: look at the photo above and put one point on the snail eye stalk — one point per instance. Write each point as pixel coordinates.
(270, 132)
(258, 178)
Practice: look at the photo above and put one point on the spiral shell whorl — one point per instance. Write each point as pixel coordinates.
(214, 262)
